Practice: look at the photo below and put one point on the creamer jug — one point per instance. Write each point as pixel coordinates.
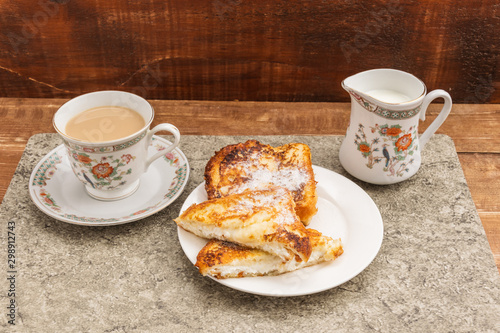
(382, 145)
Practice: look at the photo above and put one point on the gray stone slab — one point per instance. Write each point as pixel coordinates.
(434, 273)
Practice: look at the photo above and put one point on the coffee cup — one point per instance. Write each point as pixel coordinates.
(110, 154)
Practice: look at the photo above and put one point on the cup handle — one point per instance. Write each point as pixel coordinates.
(162, 127)
(445, 111)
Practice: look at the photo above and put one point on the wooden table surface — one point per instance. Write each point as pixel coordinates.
(475, 129)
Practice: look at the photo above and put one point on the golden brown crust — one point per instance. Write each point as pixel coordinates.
(222, 259)
(263, 219)
(318, 240)
(252, 165)
(217, 252)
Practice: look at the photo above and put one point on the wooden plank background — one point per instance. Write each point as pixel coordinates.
(260, 50)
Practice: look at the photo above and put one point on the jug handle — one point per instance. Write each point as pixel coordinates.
(445, 111)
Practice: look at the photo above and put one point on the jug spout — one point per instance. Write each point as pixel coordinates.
(356, 86)
(353, 91)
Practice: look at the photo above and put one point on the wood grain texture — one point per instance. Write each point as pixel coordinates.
(482, 172)
(491, 226)
(475, 130)
(486, 176)
(283, 50)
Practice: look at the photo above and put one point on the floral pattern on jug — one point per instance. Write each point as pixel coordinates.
(395, 144)
(384, 112)
(106, 173)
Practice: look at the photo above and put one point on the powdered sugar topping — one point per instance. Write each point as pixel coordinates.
(274, 199)
(260, 175)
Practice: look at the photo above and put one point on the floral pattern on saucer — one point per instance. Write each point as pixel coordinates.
(53, 175)
(43, 174)
(46, 169)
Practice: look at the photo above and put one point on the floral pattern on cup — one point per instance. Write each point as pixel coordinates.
(395, 144)
(104, 149)
(106, 173)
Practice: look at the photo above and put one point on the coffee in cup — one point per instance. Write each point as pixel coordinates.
(104, 123)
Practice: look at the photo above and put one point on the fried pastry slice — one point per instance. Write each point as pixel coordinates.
(262, 219)
(252, 165)
(223, 260)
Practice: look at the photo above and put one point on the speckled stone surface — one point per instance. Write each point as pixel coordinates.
(434, 273)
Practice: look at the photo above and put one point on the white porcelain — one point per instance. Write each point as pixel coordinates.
(111, 170)
(58, 193)
(339, 215)
(382, 145)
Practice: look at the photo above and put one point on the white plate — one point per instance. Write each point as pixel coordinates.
(344, 210)
(57, 192)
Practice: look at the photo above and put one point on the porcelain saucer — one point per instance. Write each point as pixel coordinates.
(58, 193)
